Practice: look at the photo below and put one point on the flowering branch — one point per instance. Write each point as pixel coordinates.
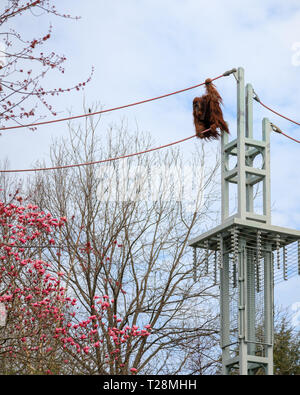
(44, 333)
(23, 66)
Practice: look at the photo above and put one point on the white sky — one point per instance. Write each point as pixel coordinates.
(145, 48)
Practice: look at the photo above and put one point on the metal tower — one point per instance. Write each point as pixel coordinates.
(246, 247)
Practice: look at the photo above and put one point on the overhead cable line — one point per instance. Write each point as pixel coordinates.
(275, 112)
(225, 74)
(100, 161)
(278, 130)
(31, 125)
(274, 127)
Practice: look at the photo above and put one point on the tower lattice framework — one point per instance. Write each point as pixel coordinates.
(246, 249)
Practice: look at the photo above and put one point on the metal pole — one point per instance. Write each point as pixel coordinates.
(225, 312)
(241, 144)
(249, 134)
(224, 184)
(268, 305)
(266, 128)
(251, 303)
(243, 349)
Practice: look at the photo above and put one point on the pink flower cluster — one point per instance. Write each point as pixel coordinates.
(42, 316)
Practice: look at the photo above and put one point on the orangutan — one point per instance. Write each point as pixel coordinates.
(208, 114)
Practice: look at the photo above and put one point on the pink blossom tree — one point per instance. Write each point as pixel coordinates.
(45, 331)
(25, 63)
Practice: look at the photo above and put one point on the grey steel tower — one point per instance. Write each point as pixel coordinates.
(246, 247)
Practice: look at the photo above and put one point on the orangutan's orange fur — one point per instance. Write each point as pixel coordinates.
(208, 114)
